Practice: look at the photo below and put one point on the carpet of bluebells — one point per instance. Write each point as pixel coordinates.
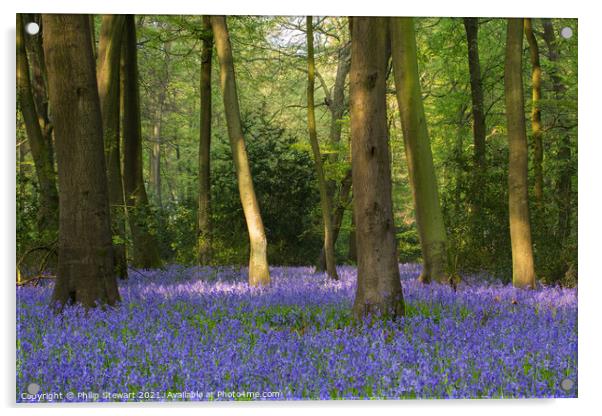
(204, 334)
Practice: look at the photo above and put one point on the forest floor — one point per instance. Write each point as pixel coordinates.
(204, 334)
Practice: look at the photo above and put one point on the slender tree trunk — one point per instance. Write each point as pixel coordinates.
(38, 134)
(421, 170)
(259, 273)
(155, 151)
(536, 129)
(336, 105)
(85, 266)
(471, 24)
(35, 53)
(523, 272)
(378, 285)
(109, 54)
(339, 213)
(476, 88)
(563, 185)
(331, 268)
(145, 248)
(155, 158)
(204, 224)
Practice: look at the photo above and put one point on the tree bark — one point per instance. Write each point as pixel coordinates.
(339, 212)
(378, 285)
(259, 273)
(204, 221)
(85, 264)
(38, 132)
(155, 153)
(471, 25)
(536, 129)
(336, 105)
(523, 272)
(145, 248)
(109, 53)
(421, 170)
(563, 185)
(155, 158)
(328, 247)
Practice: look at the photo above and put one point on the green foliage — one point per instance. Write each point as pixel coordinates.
(286, 189)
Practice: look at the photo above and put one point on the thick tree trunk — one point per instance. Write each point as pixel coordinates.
(563, 185)
(204, 220)
(145, 248)
(109, 54)
(523, 273)
(85, 267)
(331, 268)
(536, 129)
(259, 273)
(378, 284)
(421, 170)
(38, 132)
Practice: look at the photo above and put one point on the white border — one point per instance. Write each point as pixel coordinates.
(590, 151)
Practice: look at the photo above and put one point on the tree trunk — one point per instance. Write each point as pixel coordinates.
(259, 273)
(336, 105)
(331, 268)
(563, 185)
(109, 53)
(523, 273)
(155, 159)
(536, 130)
(339, 213)
(38, 134)
(155, 151)
(204, 224)
(145, 248)
(85, 265)
(421, 170)
(471, 24)
(476, 88)
(378, 282)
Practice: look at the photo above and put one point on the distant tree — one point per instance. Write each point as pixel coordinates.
(313, 138)
(378, 287)
(471, 25)
(109, 53)
(259, 273)
(38, 127)
(536, 129)
(337, 106)
(523, 272)
(145, 248)
(563, 184)
(421, 170)
(157, 133)
(86, 272)
(204, 216)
